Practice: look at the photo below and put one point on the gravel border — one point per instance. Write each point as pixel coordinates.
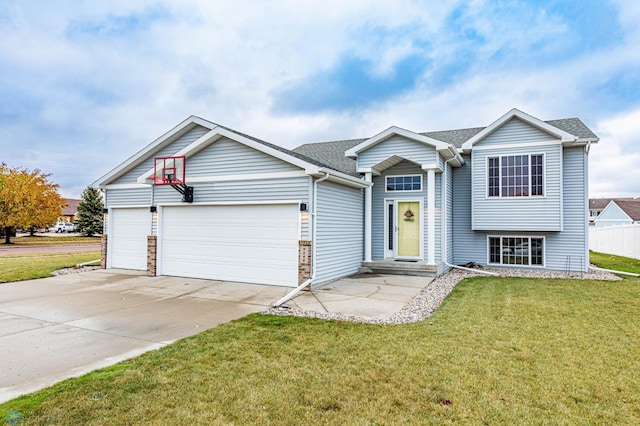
(425, 303)
(75, 270)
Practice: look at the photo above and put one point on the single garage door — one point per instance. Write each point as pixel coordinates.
(128, 230)
(245, 243)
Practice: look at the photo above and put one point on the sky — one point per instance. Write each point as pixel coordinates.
(84, 85)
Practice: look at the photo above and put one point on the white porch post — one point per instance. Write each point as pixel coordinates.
(367, 218)
(431, 216)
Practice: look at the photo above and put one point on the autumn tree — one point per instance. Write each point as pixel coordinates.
(90, 216)
(27, 199)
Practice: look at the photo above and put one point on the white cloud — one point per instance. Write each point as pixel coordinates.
(103, 95)
(615, 160)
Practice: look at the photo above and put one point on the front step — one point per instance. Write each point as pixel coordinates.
(397, 267)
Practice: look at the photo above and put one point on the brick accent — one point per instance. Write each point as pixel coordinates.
(103, 251)
(304, 261)
(152, 250)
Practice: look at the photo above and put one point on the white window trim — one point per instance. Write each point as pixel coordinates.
(501, 197)
(421, 175)
(509, 265)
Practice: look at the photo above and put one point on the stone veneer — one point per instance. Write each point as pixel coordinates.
(304, 261)
(152, 250)
(103, 251)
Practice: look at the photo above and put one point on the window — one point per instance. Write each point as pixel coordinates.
(516, 251)
(404, 183)
(515, 176)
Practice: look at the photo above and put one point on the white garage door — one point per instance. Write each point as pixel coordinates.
(128, 230)
(245, 243)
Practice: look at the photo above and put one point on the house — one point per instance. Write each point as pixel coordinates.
(596, 205)
(70, 210)
(513, 194)
(625, 211)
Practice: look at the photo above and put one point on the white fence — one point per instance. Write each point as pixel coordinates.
(621, 240)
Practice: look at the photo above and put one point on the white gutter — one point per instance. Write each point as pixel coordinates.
(472, 270)
(313, 245)
(614, 271)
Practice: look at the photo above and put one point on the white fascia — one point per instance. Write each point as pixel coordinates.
(219, 132)
(516, 113)
(391, 131)
(164, 140)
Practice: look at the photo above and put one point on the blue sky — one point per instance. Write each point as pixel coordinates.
(84, 85)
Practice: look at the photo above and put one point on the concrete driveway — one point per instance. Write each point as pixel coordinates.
(69, 325)
(65, 326)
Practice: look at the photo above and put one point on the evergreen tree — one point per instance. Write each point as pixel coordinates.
(90, 216)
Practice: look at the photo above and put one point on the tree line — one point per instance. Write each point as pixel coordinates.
(29, 200)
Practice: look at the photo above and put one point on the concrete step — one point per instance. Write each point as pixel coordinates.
(399, 267)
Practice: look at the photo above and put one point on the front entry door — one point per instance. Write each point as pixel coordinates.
(404, 233)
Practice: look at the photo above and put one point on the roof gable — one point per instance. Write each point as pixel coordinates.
(554, 131)
(447, 151)
(630, 207)
(216, 132)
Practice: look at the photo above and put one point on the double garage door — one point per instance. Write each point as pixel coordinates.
(245, 243)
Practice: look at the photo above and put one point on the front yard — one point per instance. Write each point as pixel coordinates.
(498, 351)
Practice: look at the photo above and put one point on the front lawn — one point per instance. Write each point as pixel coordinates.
(498, 351)
(19, 267)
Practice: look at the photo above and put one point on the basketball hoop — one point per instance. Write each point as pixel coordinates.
(170, 171)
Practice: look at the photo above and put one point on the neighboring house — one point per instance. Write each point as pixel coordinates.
(596, 205)
(70, 210)
(511, 194)
(619, 212)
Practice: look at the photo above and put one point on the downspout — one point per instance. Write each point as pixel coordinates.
(313, 245)
(471, 269)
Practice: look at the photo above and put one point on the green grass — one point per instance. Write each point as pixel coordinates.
(19, 267)
(498, 351)
(617, 263)
(39, 240)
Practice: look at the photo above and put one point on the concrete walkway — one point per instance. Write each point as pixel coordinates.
(365, 295)
(66, 326)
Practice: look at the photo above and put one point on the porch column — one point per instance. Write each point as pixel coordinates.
(431, 216)
(367, 218)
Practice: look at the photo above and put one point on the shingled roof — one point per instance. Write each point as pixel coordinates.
(630, 207)
(332, 153)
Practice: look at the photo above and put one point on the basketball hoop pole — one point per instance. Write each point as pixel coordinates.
(186, 191)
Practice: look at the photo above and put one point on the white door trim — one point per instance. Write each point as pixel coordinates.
(393, 253)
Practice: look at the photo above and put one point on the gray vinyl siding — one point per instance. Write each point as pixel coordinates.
(563, 250)
(378, 225)
(168, 151)
(515, 131)
(568, 249)
(228, 157)
(468, 246)
(339, 245)
(400, 146)
(128, 197)
(518, 213)
(449, 213)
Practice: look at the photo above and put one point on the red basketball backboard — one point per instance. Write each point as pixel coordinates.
(169, 170)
